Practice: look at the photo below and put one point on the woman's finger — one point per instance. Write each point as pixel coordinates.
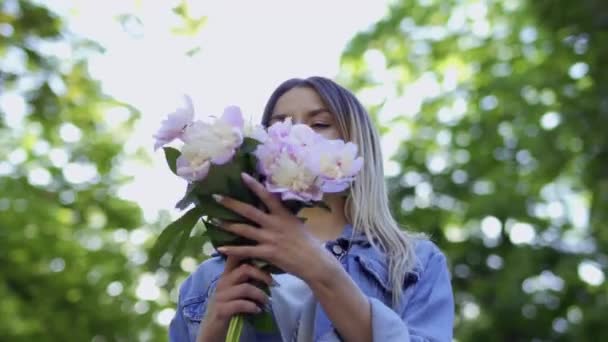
(247, 231)
(247, 272)
(243, 291)
(235, 307)
(270, 200)
(256, 252)
(243, 209)
(232, 262)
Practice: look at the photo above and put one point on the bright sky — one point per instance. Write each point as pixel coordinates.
(247, 49)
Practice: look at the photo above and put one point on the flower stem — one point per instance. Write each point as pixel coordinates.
(235, 328)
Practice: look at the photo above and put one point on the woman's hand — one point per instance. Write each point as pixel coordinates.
(233, 295)
(283, 239)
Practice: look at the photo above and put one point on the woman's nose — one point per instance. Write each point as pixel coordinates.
(296, 119)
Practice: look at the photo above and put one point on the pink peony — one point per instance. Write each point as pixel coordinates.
(300, 164)
(336, 162)
(210, 143)
(173, 127)
(288, 174)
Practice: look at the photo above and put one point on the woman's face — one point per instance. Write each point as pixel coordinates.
(304, 106)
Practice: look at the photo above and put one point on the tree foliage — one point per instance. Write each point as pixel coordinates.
(502, 109)
(68, 262)
(72, 251)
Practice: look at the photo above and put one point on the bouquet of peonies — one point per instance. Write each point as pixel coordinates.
(291, 160)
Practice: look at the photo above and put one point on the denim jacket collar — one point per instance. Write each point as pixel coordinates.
(349, 235)
(372, 260)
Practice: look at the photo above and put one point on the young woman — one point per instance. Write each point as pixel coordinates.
(351, 273)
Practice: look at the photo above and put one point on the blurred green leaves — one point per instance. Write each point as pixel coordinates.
(498, 110)
(190, 24)
(174, 237)
(69, 244)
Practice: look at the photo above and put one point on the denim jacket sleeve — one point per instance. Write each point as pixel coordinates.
(193, 298)
(428, 315)
(178, 331)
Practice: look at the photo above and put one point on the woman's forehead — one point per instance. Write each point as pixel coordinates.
(298, 101)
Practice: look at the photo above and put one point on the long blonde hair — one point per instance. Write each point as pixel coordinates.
(367, 206)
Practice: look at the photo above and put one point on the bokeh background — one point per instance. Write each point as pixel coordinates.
(494, 120)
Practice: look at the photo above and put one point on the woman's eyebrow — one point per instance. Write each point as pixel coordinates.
(279, 117)
(316, 112)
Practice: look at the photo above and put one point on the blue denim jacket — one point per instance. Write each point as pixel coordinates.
(425, 313)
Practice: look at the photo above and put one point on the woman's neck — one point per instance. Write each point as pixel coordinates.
(323, 224)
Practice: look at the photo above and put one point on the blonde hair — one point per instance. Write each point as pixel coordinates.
(367, 206)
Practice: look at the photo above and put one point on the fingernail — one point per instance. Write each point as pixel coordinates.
(217, 198)
(222, 249)
(258, 309)
(268, 306)
(246, 177)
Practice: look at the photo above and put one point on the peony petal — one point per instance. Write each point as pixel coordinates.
(182, 162)
(233, 116)
(165, 134)
(174, 125)
(190, 173)
(356, 167)
(351, 148)
(189, 110)
(290, 195)
(271, 187)
(316, 194)
(302, 135)
(223, 158)
(197, 130)
(160, 141)
(279, 130)
(266, 154)
(333, 186)
(258, 133)
(240, 136)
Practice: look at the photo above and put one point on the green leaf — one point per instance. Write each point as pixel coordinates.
(189, 197)
(263, 322)
(272, 269)
(238, 190)
(195, 243)
(174, 234)
(259, 263)
(220, 237)
(224, 180)
(322, 205)
(251, 164)
(266, 266)
(217, 211)
(178, 248)
(217, 180)
(249, 145)
(171, 156)
(295, 206)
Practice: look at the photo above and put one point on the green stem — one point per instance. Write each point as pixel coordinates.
(235, 328)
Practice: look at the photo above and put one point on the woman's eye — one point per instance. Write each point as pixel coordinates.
(320, 125)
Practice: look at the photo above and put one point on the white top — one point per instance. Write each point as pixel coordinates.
(294, 307)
